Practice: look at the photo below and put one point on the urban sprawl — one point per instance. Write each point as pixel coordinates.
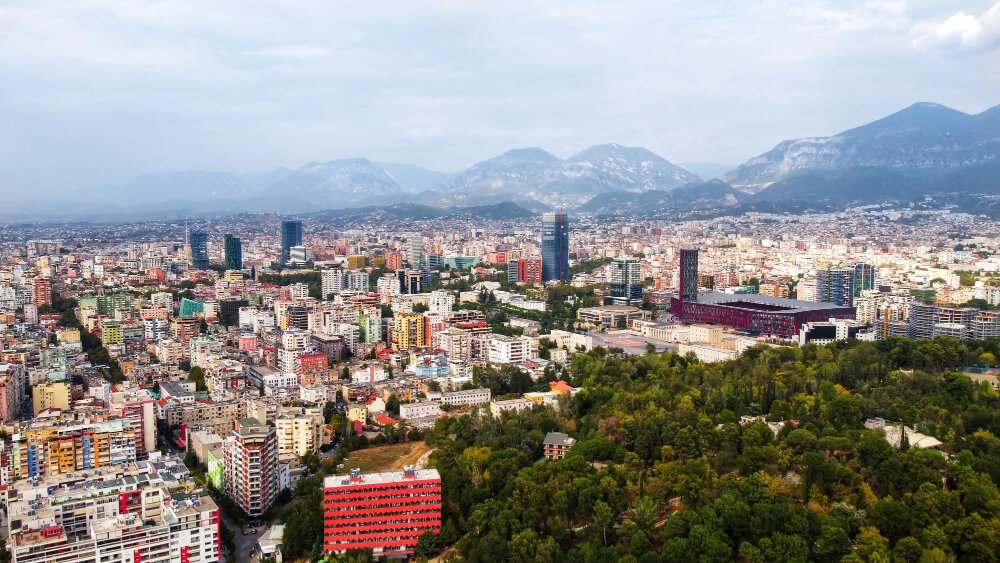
(164, 391)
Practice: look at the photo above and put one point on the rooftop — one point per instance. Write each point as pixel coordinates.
(763, 302)
(380, 478)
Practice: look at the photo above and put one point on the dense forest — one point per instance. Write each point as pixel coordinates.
(663, 470)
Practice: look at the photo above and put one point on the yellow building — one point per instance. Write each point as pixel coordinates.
(409, 331)
(234, 276)
(356, 262)
(773, 290)
(111, 332)
(357, 412)
(50, 396)
(69, 335)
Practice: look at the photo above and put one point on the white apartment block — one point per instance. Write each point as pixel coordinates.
(281, 384)
(469, 397)
(510, 405)
(332, 281)
(440, 302)
(508, 350)
(419, 410)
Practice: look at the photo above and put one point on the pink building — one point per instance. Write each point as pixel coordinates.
(11, 391)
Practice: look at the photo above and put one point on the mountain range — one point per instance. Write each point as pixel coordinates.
(924, 150)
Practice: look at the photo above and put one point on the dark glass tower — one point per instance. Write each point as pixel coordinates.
(555, 246)
(688, 278)
(198, 241)
(234, 253)
(291, 235)
(626, 281)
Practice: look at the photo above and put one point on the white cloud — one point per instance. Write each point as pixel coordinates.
(293, 52)
(869, 16)
(960, 32)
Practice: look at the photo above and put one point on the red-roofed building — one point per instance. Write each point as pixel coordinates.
(561, 387)
(385, 420)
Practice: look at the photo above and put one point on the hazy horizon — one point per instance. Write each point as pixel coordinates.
(94, 94)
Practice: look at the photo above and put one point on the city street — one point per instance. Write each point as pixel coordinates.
(243, 543)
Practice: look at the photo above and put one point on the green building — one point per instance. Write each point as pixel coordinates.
(190, 306)
(234, 253)
(216, 471)
(107, 303)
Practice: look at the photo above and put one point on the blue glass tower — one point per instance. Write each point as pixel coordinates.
(198, 241)
(291, 235)
(555, 246)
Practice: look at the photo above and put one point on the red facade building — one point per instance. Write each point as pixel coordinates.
(313, 362)
(384, 512)
(529, 270)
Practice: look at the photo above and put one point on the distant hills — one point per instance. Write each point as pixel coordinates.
(924, 150)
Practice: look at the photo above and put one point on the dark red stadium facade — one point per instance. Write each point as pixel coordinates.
(756, 314)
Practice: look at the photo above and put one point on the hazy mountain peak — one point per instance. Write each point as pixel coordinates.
(528, 154)
(336, 178)
(920, 139)
(413, 178)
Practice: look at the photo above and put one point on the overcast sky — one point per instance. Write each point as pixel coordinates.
(97, 91)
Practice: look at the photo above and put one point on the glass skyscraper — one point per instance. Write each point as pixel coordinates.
(555, 246)
(198, 241)
(626, 281)
(291, 235)
(234, 253)
(687, 279)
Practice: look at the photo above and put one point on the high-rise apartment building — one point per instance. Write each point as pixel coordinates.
(835, 285)
(384, 512)
(291, 235)
(555, 246)
(393, 260)
(50, 395)
(409, 331)
(626, 281)
(127, 513)
(50, 449)
(234, 253)
(299, 433)
(525, 270)
(137, 406)
(687, 286)
(332, 281)
(198, 243)
(440, 302)
(41, 289)
(251, 463)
